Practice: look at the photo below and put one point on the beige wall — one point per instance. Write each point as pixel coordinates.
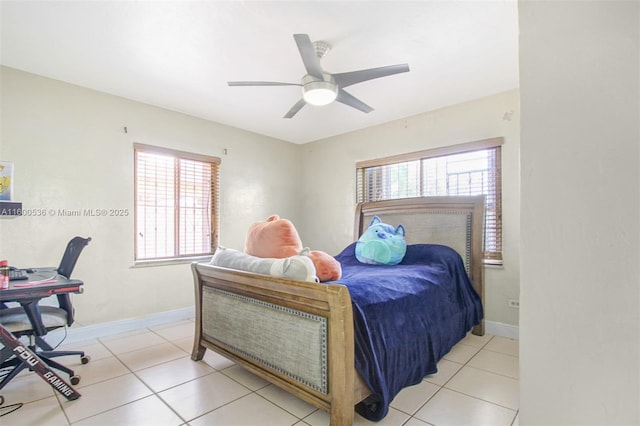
(328, 194)
(579, 354)
(580, 145)
(71, 152)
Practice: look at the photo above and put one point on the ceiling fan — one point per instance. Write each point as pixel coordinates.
(320, 87)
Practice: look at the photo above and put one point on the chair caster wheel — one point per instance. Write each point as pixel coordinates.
(75, 380)
(1, 399)
(85, 359)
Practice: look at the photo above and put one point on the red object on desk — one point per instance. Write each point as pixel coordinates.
(4, 278)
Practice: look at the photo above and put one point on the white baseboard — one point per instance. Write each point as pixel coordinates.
(501, 329)
(89, 332)
(94, 331)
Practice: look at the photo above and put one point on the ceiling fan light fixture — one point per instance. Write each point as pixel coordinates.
(319, 92)
(322, 88)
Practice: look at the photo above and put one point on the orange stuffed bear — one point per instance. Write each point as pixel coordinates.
(278, 238)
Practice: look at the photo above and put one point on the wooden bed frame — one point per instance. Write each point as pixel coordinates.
(299, 335)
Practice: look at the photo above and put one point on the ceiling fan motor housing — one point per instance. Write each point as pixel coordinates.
(319, 92)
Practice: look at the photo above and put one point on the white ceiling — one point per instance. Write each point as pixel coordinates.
(179, 55)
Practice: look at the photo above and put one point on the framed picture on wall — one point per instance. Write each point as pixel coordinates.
(6, 180)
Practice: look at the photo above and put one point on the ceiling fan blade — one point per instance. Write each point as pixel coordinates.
(260, 83)
(346, 79)
(350, 100)
(309, 55)
(294, 109)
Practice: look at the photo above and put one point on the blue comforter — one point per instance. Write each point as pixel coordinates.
(407, 317)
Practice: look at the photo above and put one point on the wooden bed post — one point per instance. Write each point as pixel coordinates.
(198, 350)
(341, 356)
(477, 272)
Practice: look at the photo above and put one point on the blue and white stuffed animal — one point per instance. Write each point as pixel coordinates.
(381, 244)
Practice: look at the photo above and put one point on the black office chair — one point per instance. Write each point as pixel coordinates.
(47, 318)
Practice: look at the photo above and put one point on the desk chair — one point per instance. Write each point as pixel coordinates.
(46, 318)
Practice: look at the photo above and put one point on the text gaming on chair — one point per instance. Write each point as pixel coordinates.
(47, 318)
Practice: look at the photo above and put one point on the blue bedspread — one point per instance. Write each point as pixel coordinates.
(407, 317)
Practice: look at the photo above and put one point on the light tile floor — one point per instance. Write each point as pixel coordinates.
(146, 377)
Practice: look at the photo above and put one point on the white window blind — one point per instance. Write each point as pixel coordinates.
(176, 203)
(468, 169)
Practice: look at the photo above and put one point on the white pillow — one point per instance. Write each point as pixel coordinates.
(295, 267)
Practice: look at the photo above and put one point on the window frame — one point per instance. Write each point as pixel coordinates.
(489, 257)
(214, 219)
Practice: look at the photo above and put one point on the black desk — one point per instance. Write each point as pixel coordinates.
(40, 284)
(28, 292)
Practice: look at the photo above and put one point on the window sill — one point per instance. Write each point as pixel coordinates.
(493, 263)
(167, 262)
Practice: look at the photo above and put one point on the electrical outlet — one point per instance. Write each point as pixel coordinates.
(514, 304)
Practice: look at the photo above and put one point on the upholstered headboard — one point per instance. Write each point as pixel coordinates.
(457, 222)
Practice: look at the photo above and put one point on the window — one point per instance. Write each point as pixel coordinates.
(468, 169)
(176, 203)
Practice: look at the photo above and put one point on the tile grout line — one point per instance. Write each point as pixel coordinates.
(130, 371)
(442, 386)
(157, 394)
(451, 378)
(299, 419)
(102, 381)
(470, 366)
(215, 370)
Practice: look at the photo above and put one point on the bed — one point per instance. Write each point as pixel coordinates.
(319, 341)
